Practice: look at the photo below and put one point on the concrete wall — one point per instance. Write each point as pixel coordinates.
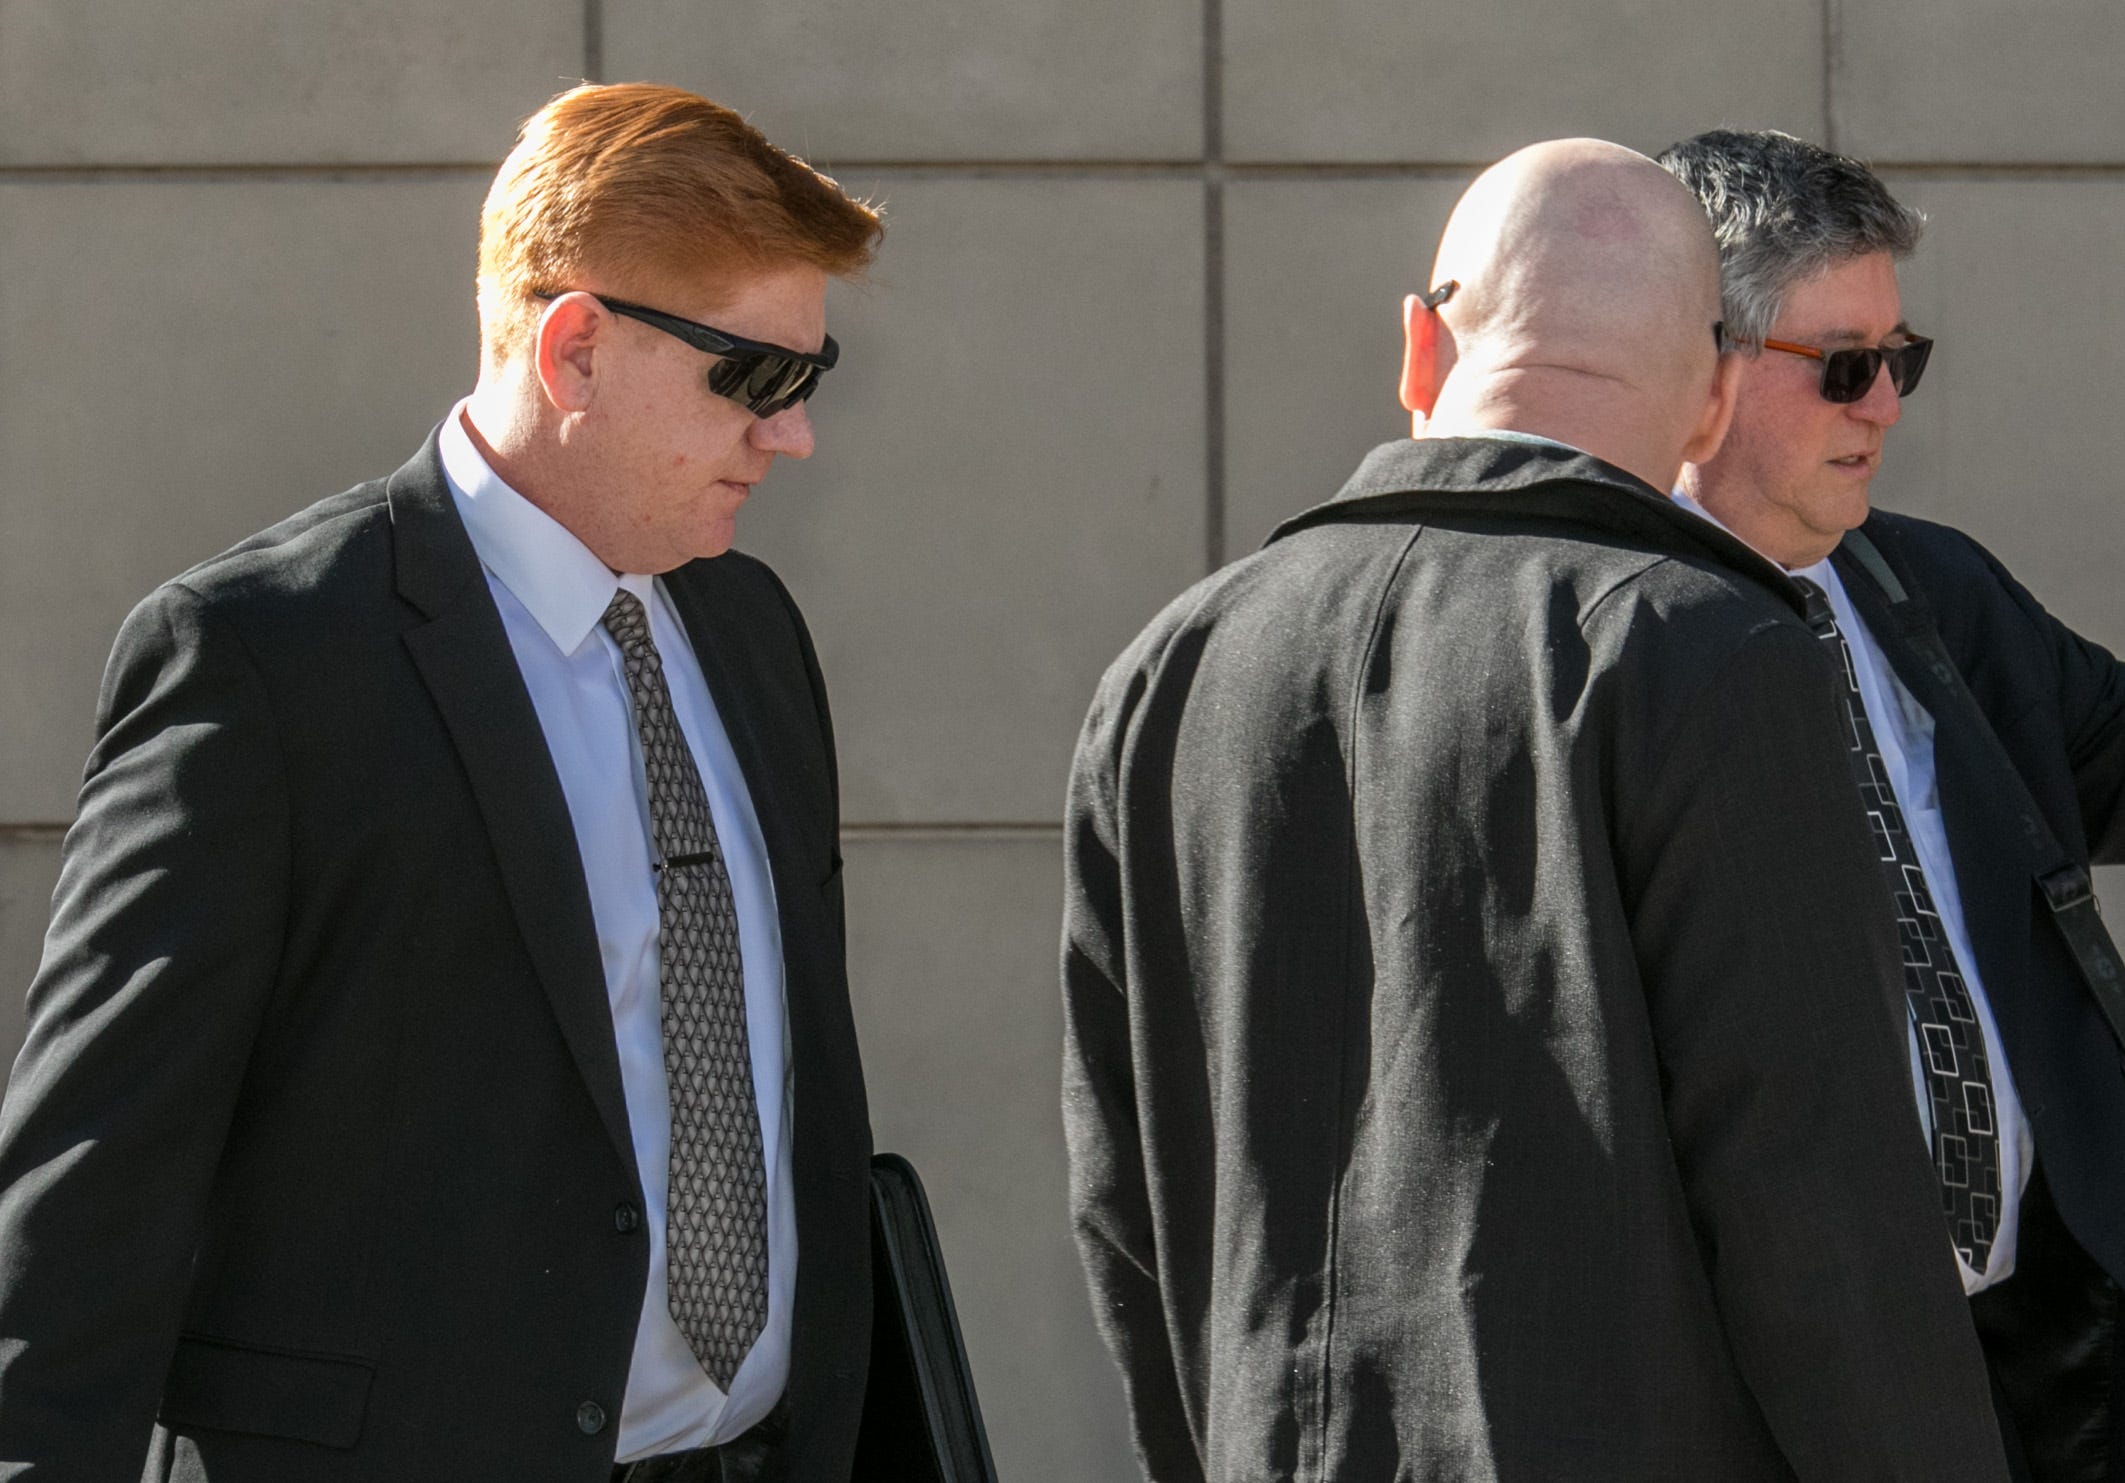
(1138, 302)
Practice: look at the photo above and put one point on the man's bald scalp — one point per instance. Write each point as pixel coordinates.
(1587, 287)
(1583, 256)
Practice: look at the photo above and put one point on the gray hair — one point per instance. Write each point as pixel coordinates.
(1784, 210)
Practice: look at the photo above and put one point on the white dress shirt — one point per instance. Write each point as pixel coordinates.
(1903, 732)
(552, 593)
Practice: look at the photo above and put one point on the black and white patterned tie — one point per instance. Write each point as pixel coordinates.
(1966, 1144)
(715, 1235)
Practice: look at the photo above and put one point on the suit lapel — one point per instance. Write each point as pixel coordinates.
(735, 686)
(1993, 845)
(464, 657)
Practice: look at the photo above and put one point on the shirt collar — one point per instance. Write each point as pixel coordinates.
(564, 587)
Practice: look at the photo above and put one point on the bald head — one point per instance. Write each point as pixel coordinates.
(1588, 284)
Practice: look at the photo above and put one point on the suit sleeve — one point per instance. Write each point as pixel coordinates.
(2091, 690)
(1110, 1204)
(166, 931)
(1766, 941)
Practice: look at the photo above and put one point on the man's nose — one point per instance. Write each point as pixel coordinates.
(1881, 405)
(788, 432)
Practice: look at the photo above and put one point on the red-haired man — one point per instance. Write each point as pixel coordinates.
(441, 1063)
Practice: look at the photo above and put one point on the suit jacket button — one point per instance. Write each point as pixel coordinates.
(625, 1218)
(590, 1417)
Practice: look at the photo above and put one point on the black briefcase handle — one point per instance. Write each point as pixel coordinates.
(921, 1419)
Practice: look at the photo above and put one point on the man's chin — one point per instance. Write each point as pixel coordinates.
(1845, 507)
(715, 539)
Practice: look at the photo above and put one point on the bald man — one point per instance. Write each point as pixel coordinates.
(1462, 895)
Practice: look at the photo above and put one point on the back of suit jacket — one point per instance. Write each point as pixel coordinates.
(315, 1162)
(1464, 964)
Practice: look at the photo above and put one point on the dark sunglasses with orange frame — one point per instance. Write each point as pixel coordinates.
(1847, 375)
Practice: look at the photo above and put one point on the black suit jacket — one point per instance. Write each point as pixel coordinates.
(315, 1164)
(2057, 704)
(1484, 1013)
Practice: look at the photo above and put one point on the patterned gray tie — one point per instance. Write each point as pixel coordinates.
(715, 1236)
(1966, 1144)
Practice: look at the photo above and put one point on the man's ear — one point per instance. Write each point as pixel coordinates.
(1420, 355)
(569, 340)
(1718, 415)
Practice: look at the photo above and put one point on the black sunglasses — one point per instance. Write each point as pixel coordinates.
(762, 378)
(1847, 375)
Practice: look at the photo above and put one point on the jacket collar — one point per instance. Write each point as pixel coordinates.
(431, 550)
(1431, 477)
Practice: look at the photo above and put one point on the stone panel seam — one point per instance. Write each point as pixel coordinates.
(1076, 169)
(1222, 171)
(1213, 284)
(593, 40)
(32, 833)
(1984, 170)
(1833, 30)
(299, 169)
(223, 174)
(1336, 170)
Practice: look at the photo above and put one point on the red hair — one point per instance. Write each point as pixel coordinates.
(637, 187)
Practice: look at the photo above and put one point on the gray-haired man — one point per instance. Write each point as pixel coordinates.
(1988, 745)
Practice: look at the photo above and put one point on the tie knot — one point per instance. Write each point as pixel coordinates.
(627, 621)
